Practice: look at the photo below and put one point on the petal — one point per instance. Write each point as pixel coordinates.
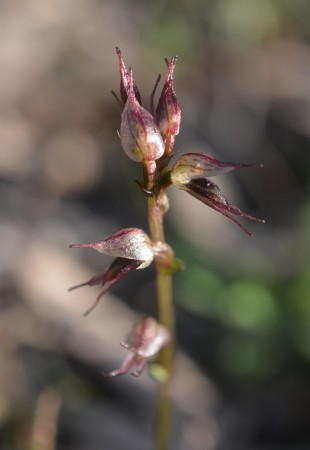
(197, 165)
(130, 243)
(125, 367)
(118, 269)
(209, 193)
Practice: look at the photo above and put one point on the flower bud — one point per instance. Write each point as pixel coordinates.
(168, 112)
(140, 137)
(197, 165)
(130, 243)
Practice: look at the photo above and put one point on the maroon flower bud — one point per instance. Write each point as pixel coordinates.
(125, 80)
(140, 137)
(209, 193)
(146, 338)
(168, 112)
(197, 165)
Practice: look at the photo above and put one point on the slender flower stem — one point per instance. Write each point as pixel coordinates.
(163, 265)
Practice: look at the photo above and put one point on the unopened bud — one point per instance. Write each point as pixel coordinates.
(140, 137)
(168, 112)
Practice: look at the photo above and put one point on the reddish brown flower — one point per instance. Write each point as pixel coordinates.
(146, 338)
(189, 173)
(134, 250)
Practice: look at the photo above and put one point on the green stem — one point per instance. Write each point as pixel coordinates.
(163, 262)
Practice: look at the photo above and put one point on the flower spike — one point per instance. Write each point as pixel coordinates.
(146, 338)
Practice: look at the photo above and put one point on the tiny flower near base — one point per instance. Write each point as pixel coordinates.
(145, 340)
(134, 250)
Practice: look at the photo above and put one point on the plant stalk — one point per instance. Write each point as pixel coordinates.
(163, 263)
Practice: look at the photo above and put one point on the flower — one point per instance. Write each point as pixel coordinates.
(168, 111)
(190, 173)
(134, 250)
(140, 138)
(146, 338)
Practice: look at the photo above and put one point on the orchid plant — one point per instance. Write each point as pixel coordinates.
(148, 137)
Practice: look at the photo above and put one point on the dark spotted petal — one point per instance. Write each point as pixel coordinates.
(118, 269)
(209, 193)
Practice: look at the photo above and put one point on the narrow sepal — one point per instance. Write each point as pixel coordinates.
(197, 165)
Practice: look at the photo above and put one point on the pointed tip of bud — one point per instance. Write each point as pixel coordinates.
(124, 84)
(171, 65)
(80, 245)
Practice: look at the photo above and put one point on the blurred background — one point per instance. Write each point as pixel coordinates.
(242, 304)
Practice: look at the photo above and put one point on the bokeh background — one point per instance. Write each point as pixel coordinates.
(242, 304)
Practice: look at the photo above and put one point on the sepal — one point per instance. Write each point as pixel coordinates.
(198, 165)
(130, 243)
